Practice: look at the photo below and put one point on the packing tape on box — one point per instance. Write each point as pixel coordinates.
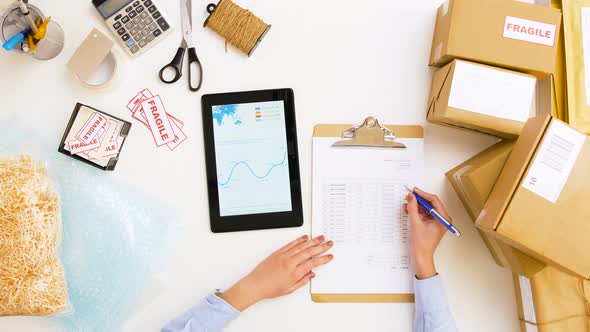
(95, 62)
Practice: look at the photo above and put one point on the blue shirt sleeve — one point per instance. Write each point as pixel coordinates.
(212, 315)
(432, 309)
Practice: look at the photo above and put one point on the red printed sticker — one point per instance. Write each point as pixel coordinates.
(102, 131)
(111, 149)
(529, 31)
(91, 128)
(141, 96)
(178, 138)
(76, 146)
(158, 120)
(107, 137)
(134, 101)
(149, 110)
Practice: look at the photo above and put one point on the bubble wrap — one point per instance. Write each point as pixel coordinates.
(114, 236)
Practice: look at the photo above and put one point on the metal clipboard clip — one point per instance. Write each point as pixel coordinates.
(369, 134)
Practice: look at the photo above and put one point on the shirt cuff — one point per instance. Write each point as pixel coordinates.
(222, 305)
(430, 294)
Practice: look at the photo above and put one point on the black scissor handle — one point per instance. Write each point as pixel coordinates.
(193, 58)
(175, 65)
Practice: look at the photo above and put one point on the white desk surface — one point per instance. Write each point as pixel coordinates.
(345, 60)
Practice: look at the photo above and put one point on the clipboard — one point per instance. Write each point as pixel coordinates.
(369, 134)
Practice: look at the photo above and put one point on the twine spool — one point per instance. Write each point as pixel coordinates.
(237, 25)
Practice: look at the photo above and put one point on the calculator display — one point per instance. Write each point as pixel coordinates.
(112, 6)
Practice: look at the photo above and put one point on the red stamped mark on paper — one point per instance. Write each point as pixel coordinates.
(158, 120)
(179, 137)
(139, 97)
(107, 136)
(103, 130)
(91, 128)
(77, 147)
(137, 111)
(111, 149)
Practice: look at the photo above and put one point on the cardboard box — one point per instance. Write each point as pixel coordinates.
(539, 204)
(473, 181)
(484, 98)
(577, 30)
(502, 33)
(559, 74)
(552, 301)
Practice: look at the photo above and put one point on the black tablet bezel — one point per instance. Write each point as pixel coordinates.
(293, 218)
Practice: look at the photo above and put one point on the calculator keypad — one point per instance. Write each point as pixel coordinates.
(141, 25)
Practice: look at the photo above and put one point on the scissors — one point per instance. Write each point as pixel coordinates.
(175, 67)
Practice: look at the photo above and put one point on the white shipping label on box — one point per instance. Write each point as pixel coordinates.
(554, 161)
(492, 92)
(526, 294)
(585, 12)
(529, 31)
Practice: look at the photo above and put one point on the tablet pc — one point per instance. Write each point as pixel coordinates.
(252, 160)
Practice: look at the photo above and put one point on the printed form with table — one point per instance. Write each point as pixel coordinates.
(134, 182)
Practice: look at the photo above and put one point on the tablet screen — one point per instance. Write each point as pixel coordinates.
(251, 158)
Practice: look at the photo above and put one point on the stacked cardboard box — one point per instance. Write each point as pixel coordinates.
(470, 37)
(549, 300)
(473, 181)
(527, 197)
(539, 202)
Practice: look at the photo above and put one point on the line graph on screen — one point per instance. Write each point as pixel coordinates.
(247, 166)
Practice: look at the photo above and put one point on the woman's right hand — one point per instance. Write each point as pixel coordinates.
(425, 232)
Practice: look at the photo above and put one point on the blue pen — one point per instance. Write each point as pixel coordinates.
(426, 206)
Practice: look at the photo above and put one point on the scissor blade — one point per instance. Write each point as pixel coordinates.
(185, 15)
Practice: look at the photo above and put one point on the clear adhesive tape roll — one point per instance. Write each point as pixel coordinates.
(95, 62)
(106, 74)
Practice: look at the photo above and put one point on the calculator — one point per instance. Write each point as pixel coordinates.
(137, 24)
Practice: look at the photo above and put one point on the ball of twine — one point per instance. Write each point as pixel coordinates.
(237, 25)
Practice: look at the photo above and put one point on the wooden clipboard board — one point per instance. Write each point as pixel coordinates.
(376, 136)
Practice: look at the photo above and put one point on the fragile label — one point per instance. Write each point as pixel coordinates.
(107, 139)
(76, 146)
(111, 149)
(158, 120)
(139, 97)
(102, 131)
(91, 128)
(529, 31)
(554, 161)
(150, 111)
(179, 135)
